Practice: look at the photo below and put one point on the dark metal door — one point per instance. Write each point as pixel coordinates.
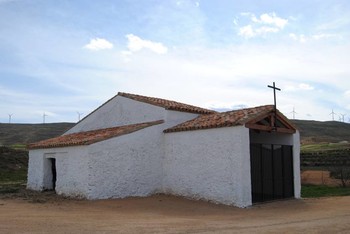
(54, 172)
(271, 172)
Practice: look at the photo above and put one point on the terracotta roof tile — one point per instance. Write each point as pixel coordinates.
(90, 137)
(225, 119)
(167, 104)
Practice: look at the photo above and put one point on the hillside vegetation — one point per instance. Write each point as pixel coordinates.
(13, 164)
(14, 158)
(22, 134)
(315, 132)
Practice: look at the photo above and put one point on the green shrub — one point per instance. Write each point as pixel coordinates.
(341, 173)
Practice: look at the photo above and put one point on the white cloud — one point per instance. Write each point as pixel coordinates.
(273, 19)
(224, 106)
(304, 86)
(182, 3)
(299, 87)
(235, 21)
(324, 36)
(301, 38)
(99, 44)
(135, 44)
(315, 37)
(126, 55)
(246, 31)
(247, 14)
(228, 74)
(347, 93)
(266, 23)
(339, 22)
(264, 30)
(232, 76)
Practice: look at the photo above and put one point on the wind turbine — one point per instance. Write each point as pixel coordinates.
(44, 115)
(10, 117)
(332, 113)
(293, 112)
(79, 114)
(343, 115)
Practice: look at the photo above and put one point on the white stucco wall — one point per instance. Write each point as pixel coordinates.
(296, 165)
(173, 118)
(129, 165)
(211, 164)
(71, 167)
(117, 112)
(35, 178)
(283, 139)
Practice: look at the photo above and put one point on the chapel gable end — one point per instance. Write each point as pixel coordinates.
(126, 108)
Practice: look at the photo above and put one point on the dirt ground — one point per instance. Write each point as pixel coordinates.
(318, 177)
(169, 214)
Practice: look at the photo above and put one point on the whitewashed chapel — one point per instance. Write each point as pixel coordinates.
(135, 145)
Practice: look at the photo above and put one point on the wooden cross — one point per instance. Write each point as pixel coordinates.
(274, 98)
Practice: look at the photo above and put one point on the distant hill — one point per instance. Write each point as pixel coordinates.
(11, 134)
(313, 132)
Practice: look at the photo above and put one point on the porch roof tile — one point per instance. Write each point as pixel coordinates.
(225, 119)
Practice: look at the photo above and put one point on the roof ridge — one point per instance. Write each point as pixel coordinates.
(167, 104)
(247, 108)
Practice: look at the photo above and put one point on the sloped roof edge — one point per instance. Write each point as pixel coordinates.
(91, 137)
(167, 104)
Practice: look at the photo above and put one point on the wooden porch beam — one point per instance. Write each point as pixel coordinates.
(269, 128)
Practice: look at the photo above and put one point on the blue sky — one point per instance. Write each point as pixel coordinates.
(63, 57)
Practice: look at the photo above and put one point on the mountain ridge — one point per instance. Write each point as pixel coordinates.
(311, 131)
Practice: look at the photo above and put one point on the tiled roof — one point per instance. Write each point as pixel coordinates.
(225, 119)
(90, 137)
(167, 104)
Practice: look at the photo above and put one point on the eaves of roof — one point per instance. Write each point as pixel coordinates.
(90, 137)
